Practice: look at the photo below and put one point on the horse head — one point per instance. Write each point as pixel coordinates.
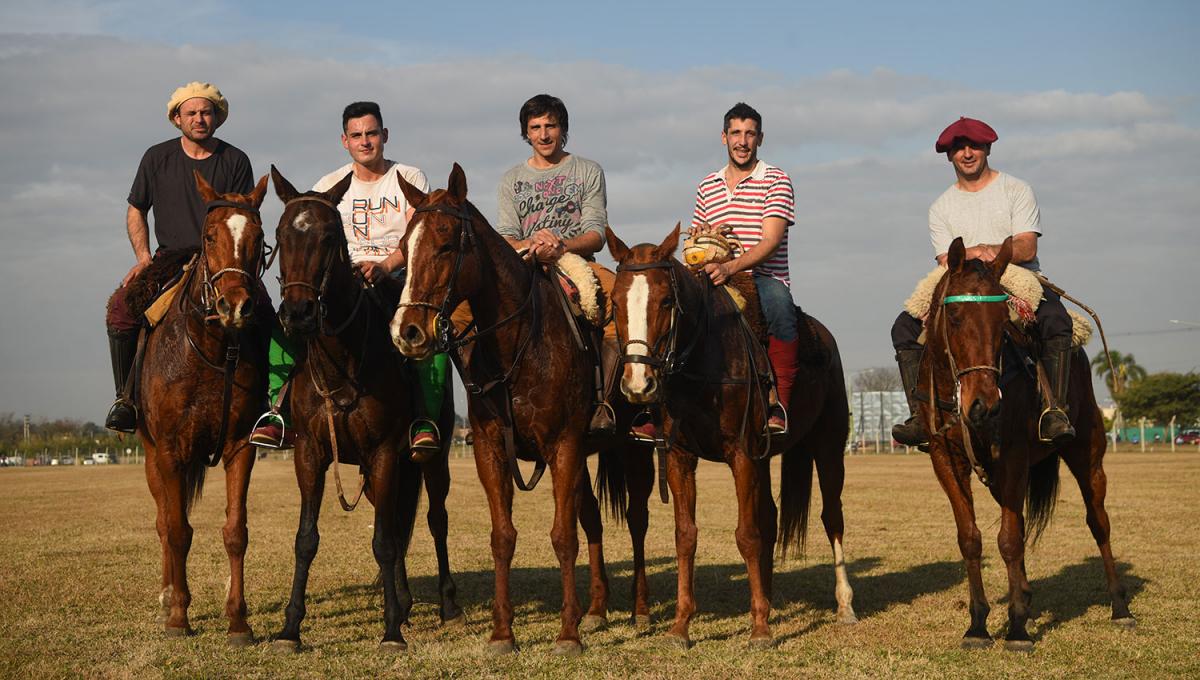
(646, 306)
(232, 244)
(312, 249)
(442, 251)
(968, 329)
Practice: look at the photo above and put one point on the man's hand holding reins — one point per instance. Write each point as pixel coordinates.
(720, 273)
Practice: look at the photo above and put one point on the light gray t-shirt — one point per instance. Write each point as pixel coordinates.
(1004, 208)
(569, 198)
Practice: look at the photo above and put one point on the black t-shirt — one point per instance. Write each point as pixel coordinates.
(165, 183)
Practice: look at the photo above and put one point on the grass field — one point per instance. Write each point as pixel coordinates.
(79, 566)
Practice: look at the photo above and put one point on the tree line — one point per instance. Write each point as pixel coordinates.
(1156, 397)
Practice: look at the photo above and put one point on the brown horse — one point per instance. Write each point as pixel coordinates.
(530, 389)
(687, 347)
(201, 379)
(351, 403)
(974, 428)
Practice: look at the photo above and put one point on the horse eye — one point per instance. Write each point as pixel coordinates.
(668, 302)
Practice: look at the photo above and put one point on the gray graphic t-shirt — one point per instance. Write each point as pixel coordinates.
(569, 198)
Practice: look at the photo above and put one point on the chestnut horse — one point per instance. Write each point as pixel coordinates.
(974, 428)
(202, 376)
(530, 389)
(352, 402)
(687, 347)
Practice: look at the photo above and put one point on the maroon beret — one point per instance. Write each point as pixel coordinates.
(968, 128)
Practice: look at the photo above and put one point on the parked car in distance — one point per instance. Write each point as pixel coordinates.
(1188, 437)
(102, 458)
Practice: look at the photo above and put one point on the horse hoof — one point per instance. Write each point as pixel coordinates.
(847, 618)
(1024, 646)
(977, 643)
(501, 647)
(285, 646)
(238, 640)
(679, 641)
(393, 647)
(641, 622)
(764, 642)
(568, 648)
(173, 632)
(592, 623)
(459, 621)
(1126, 622)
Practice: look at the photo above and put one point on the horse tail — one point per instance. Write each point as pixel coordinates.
(1041, 497)
(795, 492)
(610, 484)
(193, 481)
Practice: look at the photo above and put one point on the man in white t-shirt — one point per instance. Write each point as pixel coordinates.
(375, 216)
(985, 206)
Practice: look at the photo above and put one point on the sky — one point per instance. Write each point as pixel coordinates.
(1096, 105)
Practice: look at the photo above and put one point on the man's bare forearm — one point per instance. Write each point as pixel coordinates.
(139, 233)
(585, 244)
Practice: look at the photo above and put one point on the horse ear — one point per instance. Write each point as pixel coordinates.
(666, 249)
(1003, 258)
(259, 192)
(956, 255)
(616, 247)
(207, 193)
(414, 196)
(457, 184)
(335, 192)
(283, 188)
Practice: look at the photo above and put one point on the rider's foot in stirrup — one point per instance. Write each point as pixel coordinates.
(603, 424)
(271, 433)
(911, 433)
(424, 442)
(777, 422)
(643, 429)
(122, 417)
(1054, 427)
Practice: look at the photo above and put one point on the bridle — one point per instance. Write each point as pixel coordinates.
(663, 355)
(266, 255)
(322, 288)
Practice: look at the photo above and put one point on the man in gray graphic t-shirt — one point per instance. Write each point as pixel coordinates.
(985, 206)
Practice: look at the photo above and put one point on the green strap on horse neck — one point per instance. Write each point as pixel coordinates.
(975, 298)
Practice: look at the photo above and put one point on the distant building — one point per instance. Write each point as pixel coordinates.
(874, 414)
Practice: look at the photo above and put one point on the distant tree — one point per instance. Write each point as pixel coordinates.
(1161, 396)
(1126, 367)
(878, 379)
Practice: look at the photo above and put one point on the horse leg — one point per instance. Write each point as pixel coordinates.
(497, 484)
(589, 518)
(566, 472)
(437, 486)
(406, 491)
(310, 477)
(681, 477)
(768, 527)
(179, 541)
(237, 481)
(1011, 541)
(384, 545)
(639, 481)
(751, 483)
(956, 482)
(155, 482)
(831, 475)
(1088, 471)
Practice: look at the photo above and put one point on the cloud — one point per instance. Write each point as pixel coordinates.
(1114, 173)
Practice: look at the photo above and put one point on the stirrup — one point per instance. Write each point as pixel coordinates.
(422, 449)
(603, 409)
(109, 420)
(269, 415)
(774, 432)
(643, 418)
(1064, 436)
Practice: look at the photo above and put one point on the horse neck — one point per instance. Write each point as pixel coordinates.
(341, 302)
(505, 278)
(695, 307)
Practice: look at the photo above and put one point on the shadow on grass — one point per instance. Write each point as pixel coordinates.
(1068, 594)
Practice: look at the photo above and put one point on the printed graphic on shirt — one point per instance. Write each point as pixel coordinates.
(553, 203)
(368, 219)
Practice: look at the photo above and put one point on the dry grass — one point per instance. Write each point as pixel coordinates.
(79, 571)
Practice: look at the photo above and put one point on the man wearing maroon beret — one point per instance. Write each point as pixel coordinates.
(985, 206)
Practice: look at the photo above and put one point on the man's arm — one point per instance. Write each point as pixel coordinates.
(138, 230)
(1024, 249)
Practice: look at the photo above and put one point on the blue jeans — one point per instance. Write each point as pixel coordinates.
(778, 308)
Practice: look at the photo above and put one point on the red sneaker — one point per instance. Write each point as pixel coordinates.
(272, 435)
(423, 446)
(777, 422)
(644, 431)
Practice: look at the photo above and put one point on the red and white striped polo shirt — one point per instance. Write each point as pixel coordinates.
(766, 192)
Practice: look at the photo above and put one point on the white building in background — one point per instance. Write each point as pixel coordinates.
(873, 415)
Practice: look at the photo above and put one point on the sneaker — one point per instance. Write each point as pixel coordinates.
(122, 417)
(423, 447)
(777, 422)
(644, 431)
(271, 434)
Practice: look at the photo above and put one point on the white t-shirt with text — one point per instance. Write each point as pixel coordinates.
(373, 213)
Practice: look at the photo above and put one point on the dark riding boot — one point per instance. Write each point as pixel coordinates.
(911, 432)
(122, 349)
(603, 423)
(1053, 425)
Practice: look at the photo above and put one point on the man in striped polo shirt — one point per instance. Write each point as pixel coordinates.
(756, 200)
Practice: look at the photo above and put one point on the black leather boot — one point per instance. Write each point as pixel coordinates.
(911, 432)
(1053, 425)
(122, 349)
(603, 423)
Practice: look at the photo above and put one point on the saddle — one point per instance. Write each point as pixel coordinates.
(151, 292)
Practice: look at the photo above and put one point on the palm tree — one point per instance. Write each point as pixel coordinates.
(1126, 370)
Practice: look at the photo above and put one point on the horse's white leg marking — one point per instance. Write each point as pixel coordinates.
(638, 310)
(842, 590)
(237, 225)
(414, 241)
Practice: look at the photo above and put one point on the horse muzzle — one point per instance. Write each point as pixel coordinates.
(234, 309)
(299, 317)
(410, 338)
(640, 385)
(985, 419)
